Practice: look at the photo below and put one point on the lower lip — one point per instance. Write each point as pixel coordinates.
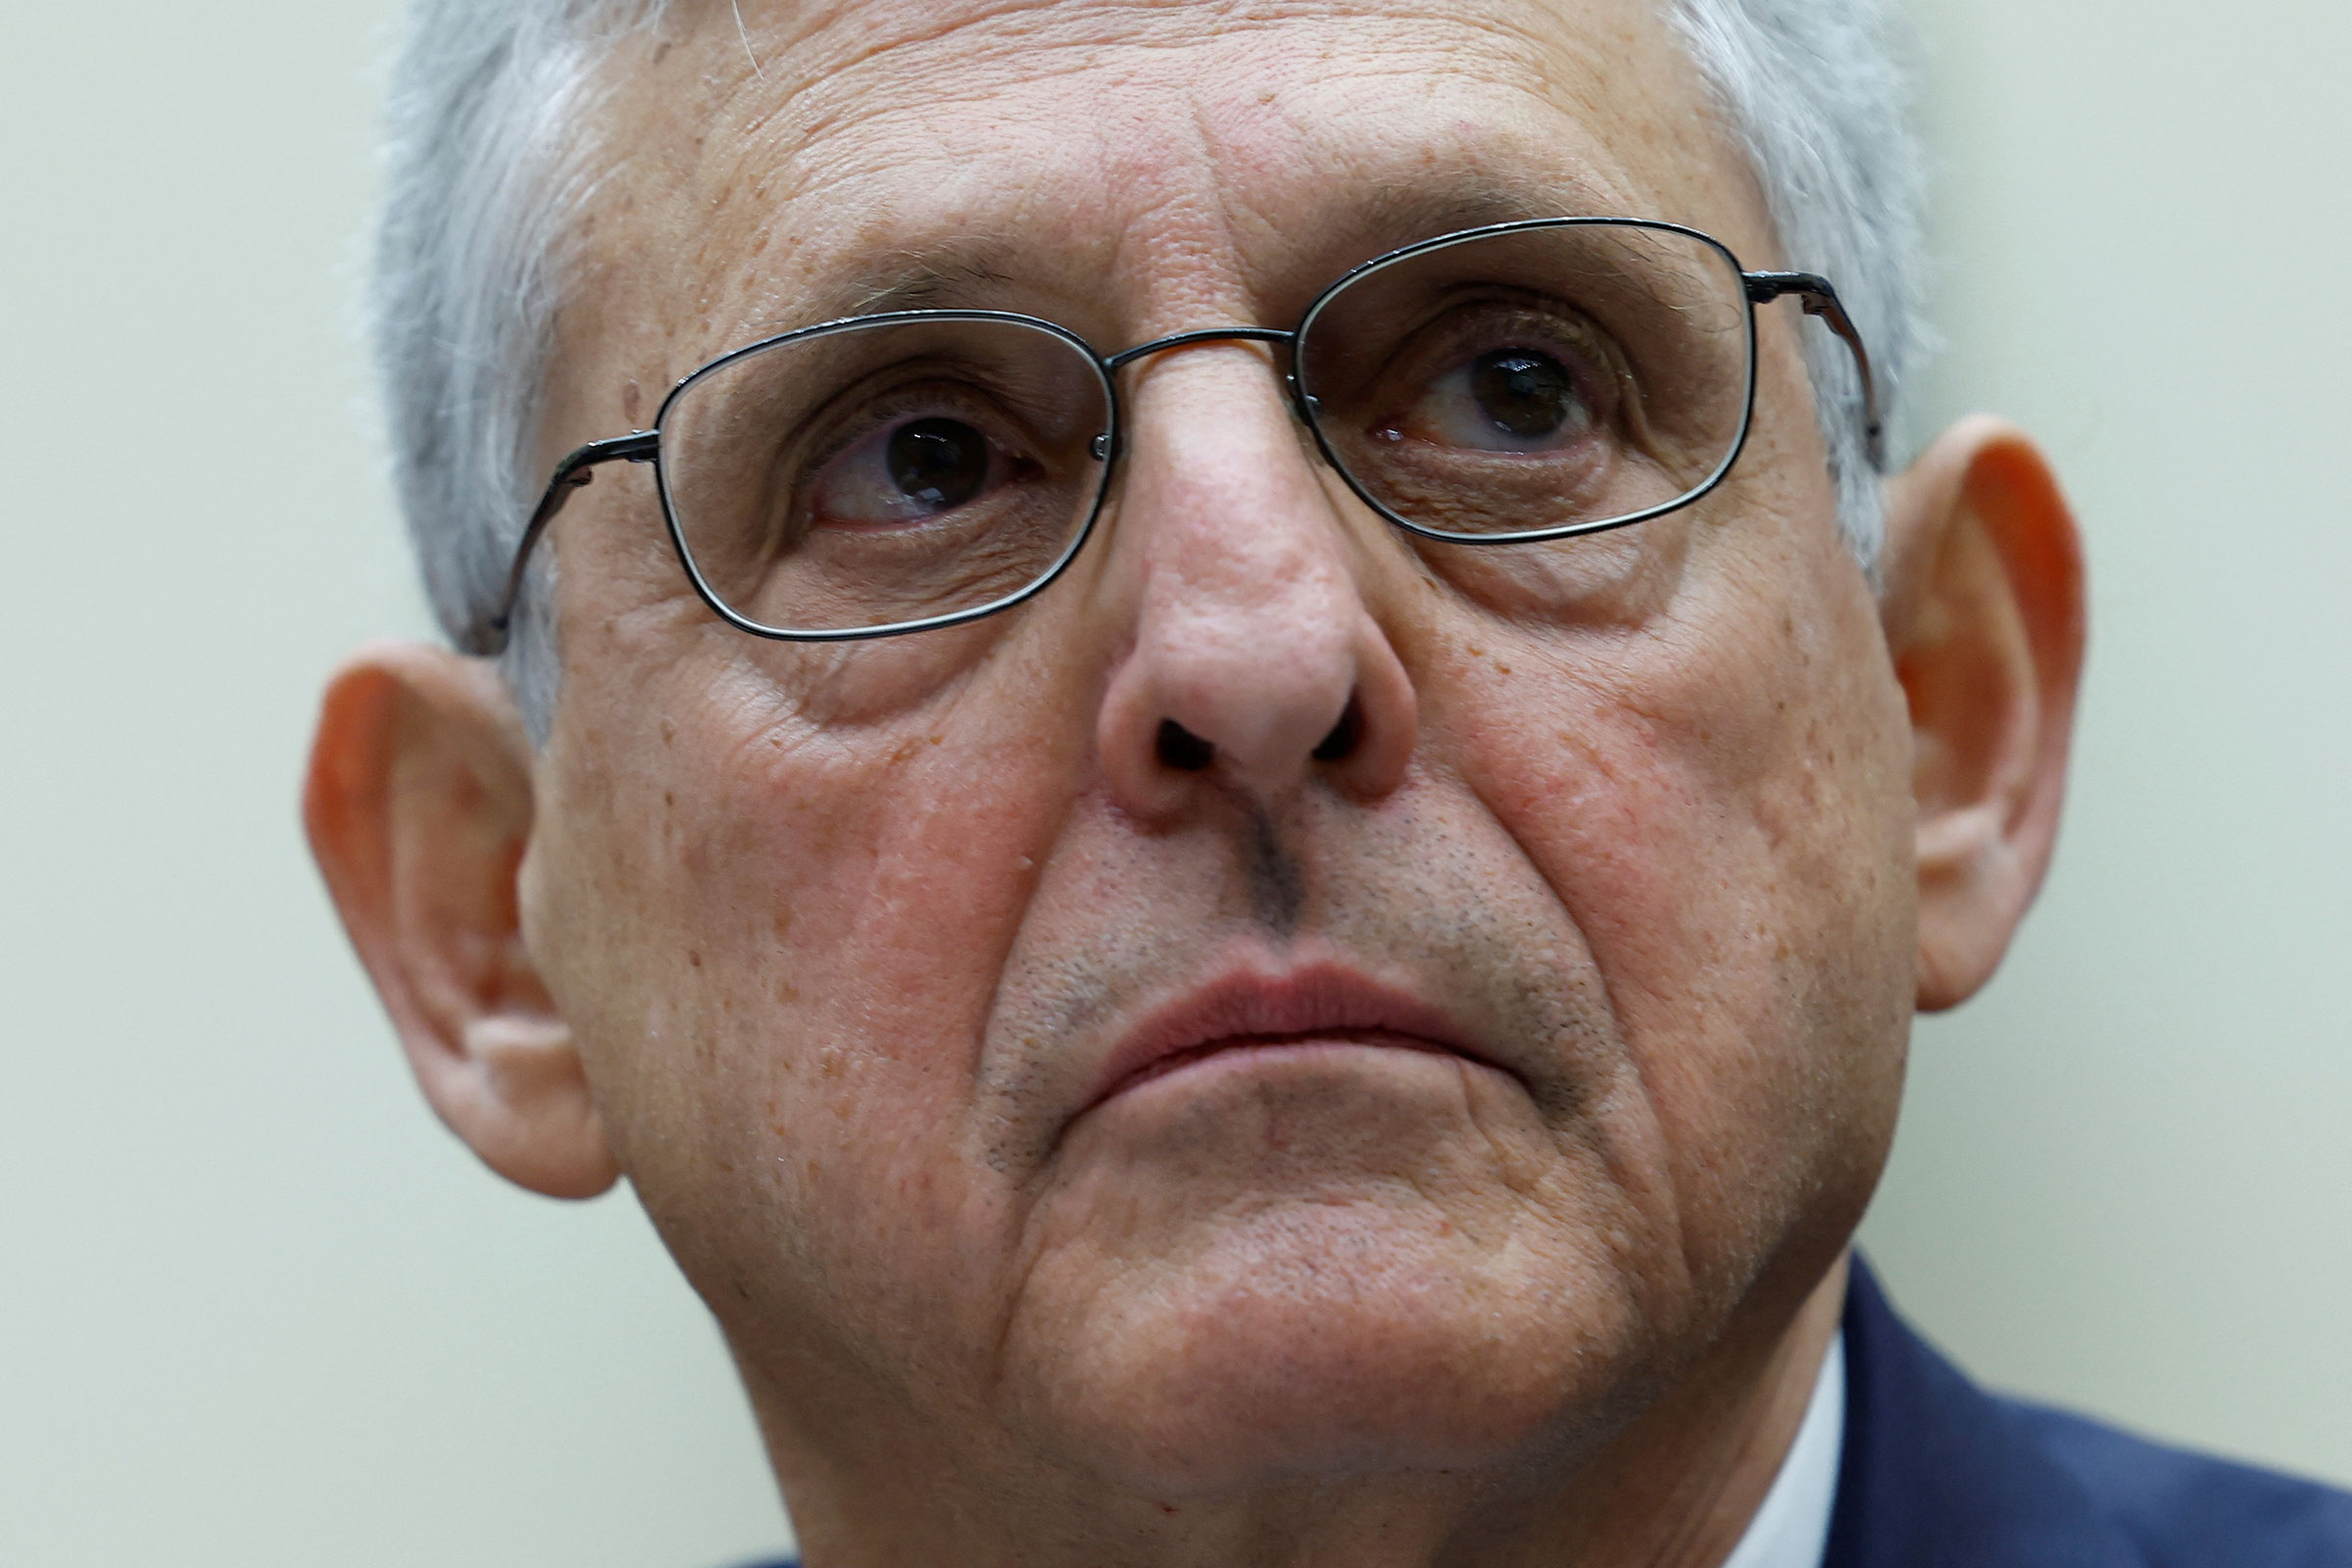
(1242, 1054)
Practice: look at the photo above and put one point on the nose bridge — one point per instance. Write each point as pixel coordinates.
(1220, 491)
(1206, 334)
(1254, 656)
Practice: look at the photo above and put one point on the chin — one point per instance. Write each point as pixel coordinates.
(1311, 1341)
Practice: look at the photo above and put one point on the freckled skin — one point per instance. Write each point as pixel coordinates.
(840, 930)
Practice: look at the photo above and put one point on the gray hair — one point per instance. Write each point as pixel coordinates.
(486, 172)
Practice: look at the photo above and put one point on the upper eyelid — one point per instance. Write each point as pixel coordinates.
(865, 424)
(1593, 359)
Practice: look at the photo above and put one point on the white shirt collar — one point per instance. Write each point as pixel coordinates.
(1791, 1530)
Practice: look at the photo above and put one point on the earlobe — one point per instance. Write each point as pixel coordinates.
(1986, 620)
(419, 809)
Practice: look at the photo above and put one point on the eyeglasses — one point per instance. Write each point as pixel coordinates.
(1505, 385)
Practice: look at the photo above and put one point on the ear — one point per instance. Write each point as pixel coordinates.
(418, 808)
(1985, 615)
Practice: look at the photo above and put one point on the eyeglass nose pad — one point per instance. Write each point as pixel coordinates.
(1100, 445)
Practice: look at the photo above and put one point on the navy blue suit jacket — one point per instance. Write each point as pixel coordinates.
(1940, 1474)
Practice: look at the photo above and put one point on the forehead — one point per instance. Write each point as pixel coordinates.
(1153, 160)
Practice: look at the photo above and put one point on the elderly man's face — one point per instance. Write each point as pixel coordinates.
(1291, 1001)
(1561, 1006)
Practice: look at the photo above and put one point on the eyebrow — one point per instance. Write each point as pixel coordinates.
(1406, 214)
(942, 275)
(950, 273)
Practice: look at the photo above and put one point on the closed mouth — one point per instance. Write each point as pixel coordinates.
(1321, 1007)
(1177, 1061)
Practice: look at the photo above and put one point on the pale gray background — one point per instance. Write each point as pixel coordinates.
(259, 1311)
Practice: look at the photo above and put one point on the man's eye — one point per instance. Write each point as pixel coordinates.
(1514, 398)
(1525, 393)
(938, 463)
(905, 473)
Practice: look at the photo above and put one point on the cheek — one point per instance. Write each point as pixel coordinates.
(1720, 802)
(777, 942)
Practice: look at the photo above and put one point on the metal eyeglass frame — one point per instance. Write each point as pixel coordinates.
(1818, 295)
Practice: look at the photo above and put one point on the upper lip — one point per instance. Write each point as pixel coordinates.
(1255, 1008)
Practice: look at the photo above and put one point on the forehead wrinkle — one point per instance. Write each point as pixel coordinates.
(846, 193)
(958, 257)
(995, 28)
(964, 271)
(1051, 39)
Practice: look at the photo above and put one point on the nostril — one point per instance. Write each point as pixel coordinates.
(1344, 737)
(1182, 750)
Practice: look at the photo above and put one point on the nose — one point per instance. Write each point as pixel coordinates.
(1256, 664)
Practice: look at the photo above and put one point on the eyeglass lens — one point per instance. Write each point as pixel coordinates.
(1524, 382)
(1533, 381)
(882, 473)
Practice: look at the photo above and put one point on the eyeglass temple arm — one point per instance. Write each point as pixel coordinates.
(572, 474)
(1820, 299)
